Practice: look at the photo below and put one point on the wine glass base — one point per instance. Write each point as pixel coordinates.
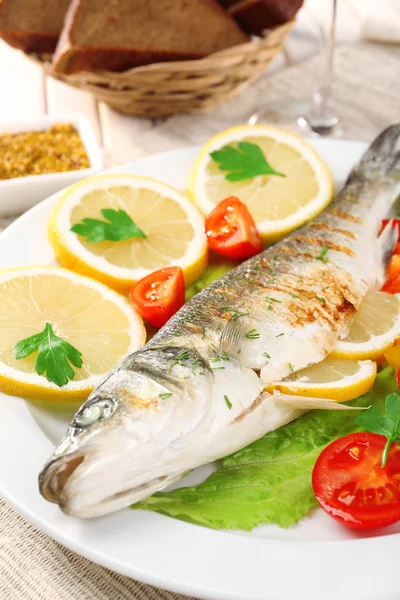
(298, 117)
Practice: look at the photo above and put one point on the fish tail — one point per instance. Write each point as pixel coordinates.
(382, 157)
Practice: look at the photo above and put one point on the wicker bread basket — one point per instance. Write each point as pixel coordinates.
(163, 89)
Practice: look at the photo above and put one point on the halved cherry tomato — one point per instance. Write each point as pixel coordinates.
(352, 487)
(395, 223)
(392, 285)
(159, 295)
(231, 230)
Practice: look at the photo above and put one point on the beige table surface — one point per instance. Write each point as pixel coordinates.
(34, 567)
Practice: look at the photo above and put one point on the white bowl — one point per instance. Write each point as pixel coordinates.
(20, 193)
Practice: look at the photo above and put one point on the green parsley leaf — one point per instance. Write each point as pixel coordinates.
(54, 355)
(244, 162)
(228, 402)
(119, 227)
(388, 424)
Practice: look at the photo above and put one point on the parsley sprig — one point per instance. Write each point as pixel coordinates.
(387, 424)
(117, 226)
(54, 355)
(244, 162)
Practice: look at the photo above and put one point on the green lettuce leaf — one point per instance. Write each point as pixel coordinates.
(270, 480)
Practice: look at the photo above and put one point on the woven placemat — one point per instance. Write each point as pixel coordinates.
(34, 567)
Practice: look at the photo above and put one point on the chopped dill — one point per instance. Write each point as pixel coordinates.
(280, 335)
(217, 368)
(235, 313)
(225, 355)
(166, 395)
(295, 295)
(291, 368)
(239, 350)
(269, 299)
(228, 402)
(321, 299)
(178, 359)
(270, 307)
(203, 331)
(256, 267)
(322, 255)
(252, 334)
(197, 364)
(266, 355)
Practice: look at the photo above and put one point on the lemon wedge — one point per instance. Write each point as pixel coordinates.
(333, 378)
(98, 322)
(173, 228)
(375, 328)
(279, 203)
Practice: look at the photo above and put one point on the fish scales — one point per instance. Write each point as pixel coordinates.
(194, 393)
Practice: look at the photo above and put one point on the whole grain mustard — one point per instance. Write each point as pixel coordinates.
(56, 149)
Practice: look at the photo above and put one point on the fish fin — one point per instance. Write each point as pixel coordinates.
(234, 341)
(386, 242)
(309, 403)
(382, 157)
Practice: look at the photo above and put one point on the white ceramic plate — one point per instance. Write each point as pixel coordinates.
(315, 560)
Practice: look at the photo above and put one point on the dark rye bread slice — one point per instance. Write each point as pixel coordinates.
(254, 16)
(32, 25)
(121, 34)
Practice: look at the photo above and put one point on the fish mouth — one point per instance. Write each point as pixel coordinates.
(56, 474)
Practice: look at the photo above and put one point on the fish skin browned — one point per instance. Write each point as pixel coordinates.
(165, 409)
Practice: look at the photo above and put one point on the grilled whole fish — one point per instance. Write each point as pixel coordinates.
(194, 393)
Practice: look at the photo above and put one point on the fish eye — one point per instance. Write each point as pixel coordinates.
(94, 411)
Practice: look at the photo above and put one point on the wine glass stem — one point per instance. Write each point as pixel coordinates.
(322, 112)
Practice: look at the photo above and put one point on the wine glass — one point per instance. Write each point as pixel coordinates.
(316, 115)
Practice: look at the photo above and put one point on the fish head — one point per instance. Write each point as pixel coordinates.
(123, 443)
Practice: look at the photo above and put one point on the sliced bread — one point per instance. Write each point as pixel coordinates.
(121, 34)
(32, 25)
(254, 16)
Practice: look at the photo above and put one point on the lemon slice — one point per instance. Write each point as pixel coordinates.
(278, 204)
(174, 230)
(375, 328)
(333, 378)
(97, 321)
